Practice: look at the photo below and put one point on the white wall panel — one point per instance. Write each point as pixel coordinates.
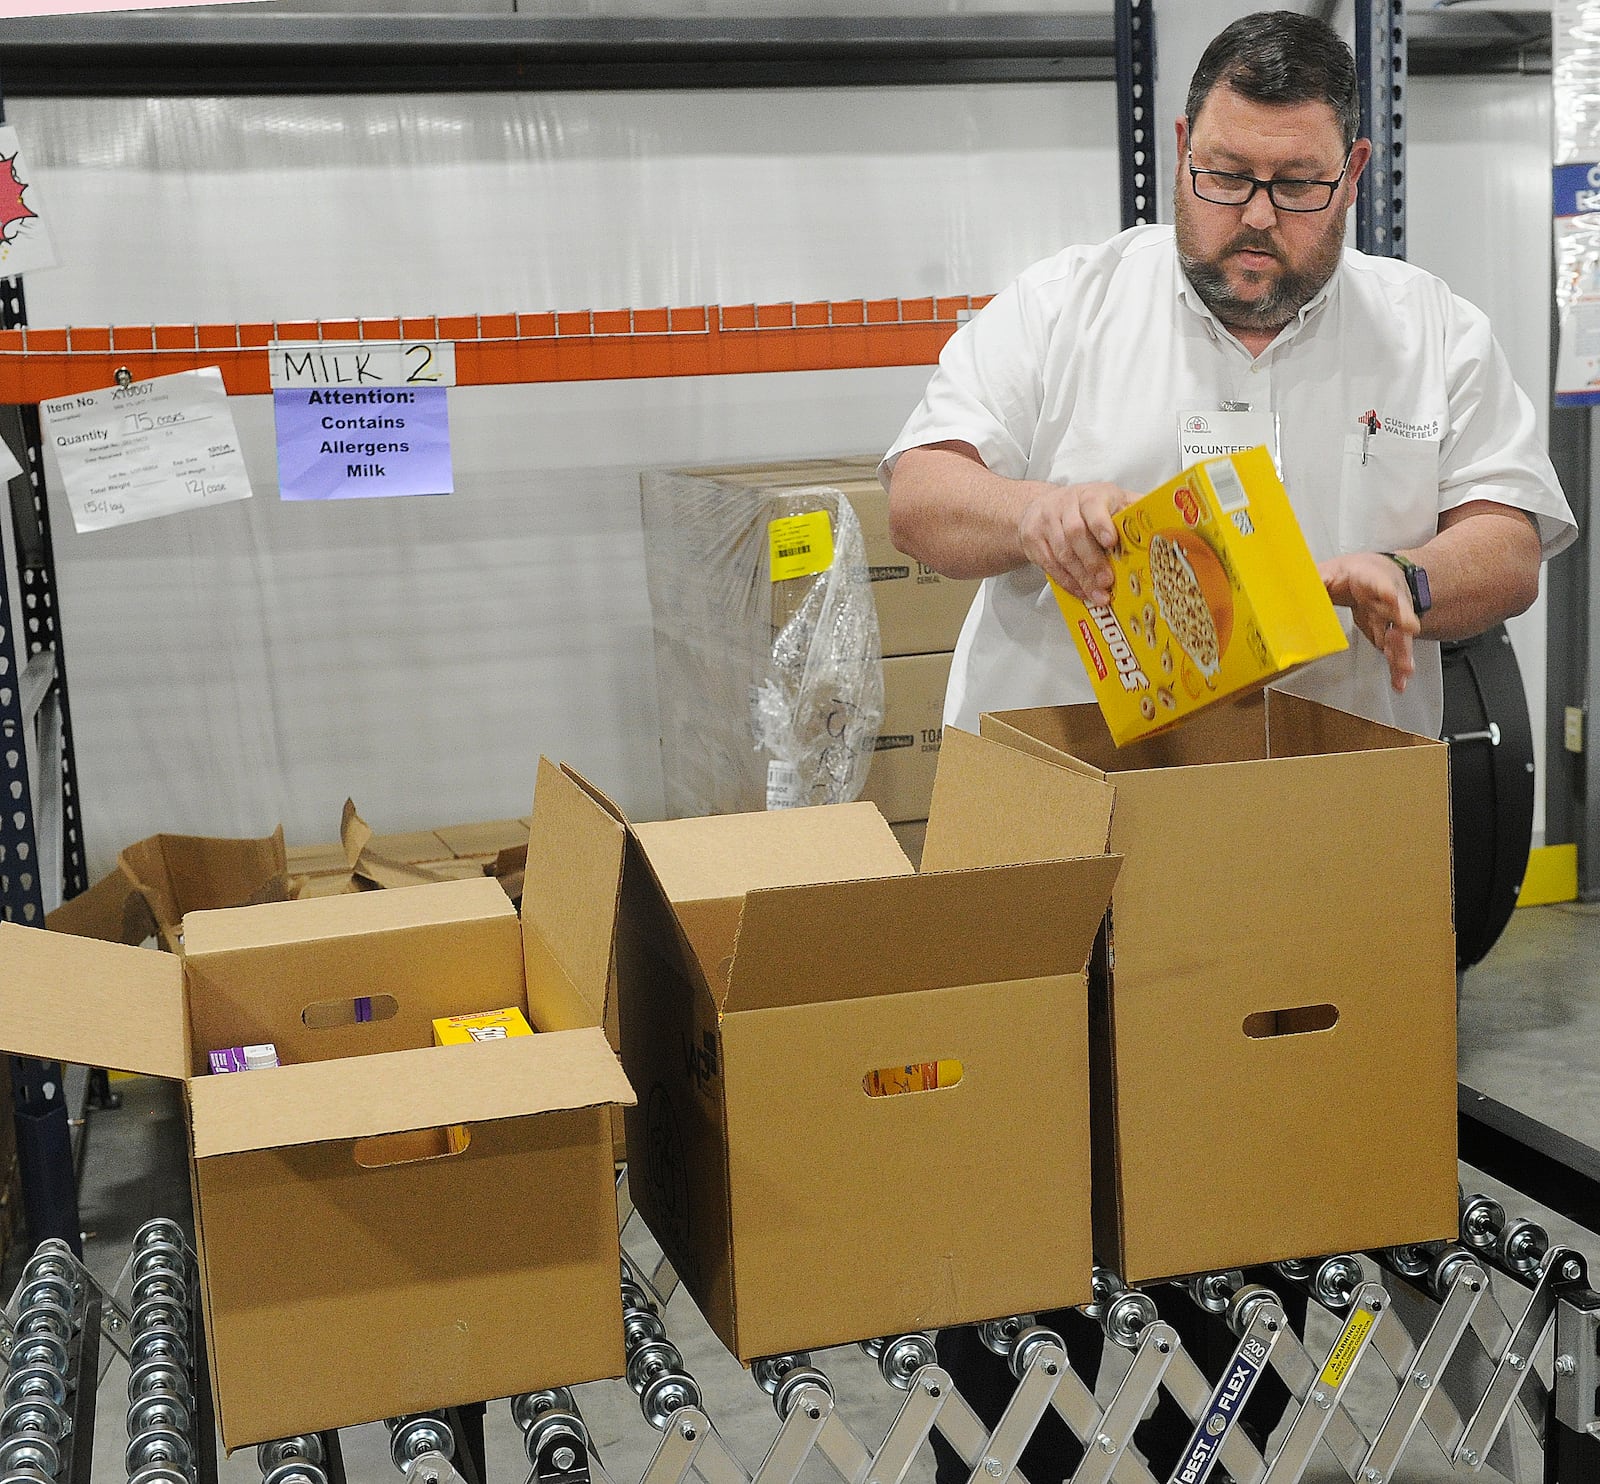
(258, 662)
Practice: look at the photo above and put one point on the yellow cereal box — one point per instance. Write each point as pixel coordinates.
(491, 1025)
(1215, 591)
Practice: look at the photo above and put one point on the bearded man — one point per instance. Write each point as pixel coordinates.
(1409, 453)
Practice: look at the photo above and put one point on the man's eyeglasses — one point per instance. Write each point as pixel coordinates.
(1224, 188)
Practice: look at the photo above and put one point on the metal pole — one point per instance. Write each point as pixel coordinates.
(44, 1139)
(1381, 77)
(1136, 110)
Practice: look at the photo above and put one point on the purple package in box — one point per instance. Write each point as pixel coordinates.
(244, 1058)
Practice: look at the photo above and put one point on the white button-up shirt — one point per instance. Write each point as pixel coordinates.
(1081, 369)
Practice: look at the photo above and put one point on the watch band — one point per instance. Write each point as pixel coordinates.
(1416, 582)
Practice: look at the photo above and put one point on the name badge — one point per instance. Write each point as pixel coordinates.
(1210, 435)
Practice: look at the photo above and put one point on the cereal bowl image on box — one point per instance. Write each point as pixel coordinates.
(1214, 592)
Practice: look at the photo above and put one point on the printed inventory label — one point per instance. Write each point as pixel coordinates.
(800, 545)
(1351, 1338)
(783, 786)
(155, 447)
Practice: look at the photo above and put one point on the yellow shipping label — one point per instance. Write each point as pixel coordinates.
(1351, 1338)
(490, 1025)
(1214, 591)
(800, 545)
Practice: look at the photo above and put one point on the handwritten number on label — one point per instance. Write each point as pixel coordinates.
(420, 371)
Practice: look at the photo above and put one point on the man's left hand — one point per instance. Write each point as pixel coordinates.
(1374, 589)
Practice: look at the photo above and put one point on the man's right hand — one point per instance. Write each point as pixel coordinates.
(1067, 532)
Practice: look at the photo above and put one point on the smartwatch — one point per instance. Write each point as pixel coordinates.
(1416, 582)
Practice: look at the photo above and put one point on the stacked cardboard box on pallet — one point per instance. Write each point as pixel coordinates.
(919, 616)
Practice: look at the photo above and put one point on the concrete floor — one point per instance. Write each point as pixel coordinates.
(1530, 1020)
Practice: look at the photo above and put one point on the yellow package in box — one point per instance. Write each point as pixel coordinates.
(1214, 592)
(460, 1030)
(491, 1025)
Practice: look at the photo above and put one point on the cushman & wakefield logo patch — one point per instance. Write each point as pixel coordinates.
(1399, 427)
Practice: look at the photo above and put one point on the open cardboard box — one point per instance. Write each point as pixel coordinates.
(766, 966)
(353, 1266)
(160, 878)
(1273, 1025)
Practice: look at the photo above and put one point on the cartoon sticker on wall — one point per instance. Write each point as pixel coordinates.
(24, 234)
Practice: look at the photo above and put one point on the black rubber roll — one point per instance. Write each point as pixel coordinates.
(1491, 785)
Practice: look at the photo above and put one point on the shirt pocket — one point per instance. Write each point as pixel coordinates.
(1388, 492)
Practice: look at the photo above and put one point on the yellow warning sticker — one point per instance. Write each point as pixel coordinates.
(1351, 1338)
(801, 545)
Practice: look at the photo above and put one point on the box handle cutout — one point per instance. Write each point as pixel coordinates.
(327, 1015)
(915, 1076)
(382, 1150)
(1299, 1021)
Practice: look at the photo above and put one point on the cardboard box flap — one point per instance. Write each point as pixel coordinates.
(363, 1097)
(573, 877)
(114, 909)
(996, 806)
(275, 923)
(1299, 727)
(206, 872)
(594, 793)
(843, 940)
(727, 855)
(99, 1004)
(1077, 737)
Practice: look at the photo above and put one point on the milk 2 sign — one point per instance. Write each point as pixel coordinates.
(358, 420)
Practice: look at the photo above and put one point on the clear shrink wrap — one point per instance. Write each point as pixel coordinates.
(768, 660)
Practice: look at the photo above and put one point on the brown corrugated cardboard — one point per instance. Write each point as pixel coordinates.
(569, 906)
(767, 964)
(920, 611)
(160, 878)
(316, 860)
(411, 846)
(1280, 855)
(332, 1221)
(487, 838)
(906, 755)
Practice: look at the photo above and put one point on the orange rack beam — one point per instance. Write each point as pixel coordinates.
(507, 349)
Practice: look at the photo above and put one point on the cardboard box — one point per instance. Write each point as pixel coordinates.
(920, 611)
(159, 879)
(767, 964)
(354, 1268)
(1215, 592)
(766, 643)
(906, 754)
(1274, 1032)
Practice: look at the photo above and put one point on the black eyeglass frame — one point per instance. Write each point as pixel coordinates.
(1269, 186)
